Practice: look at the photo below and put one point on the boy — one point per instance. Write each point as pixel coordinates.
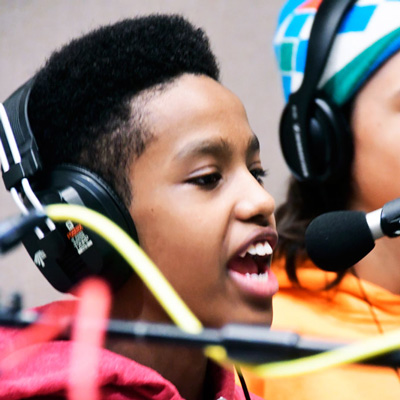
(139, 104)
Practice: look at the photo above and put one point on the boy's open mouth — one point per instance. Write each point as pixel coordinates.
(251, 270)
(255, 260)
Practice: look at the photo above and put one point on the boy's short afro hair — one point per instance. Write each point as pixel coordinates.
(80, 107)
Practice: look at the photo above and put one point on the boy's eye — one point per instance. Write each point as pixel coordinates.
(259, 174)
(208, 181)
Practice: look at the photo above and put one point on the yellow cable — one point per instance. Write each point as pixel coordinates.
(187, 321)
(135, 256)
(351, 353)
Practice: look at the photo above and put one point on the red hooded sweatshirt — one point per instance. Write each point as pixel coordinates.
(44, 374)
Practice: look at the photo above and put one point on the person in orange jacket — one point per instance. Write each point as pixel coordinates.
(348, 107)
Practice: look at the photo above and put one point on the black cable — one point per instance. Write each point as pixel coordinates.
(373, 313)
(243, 383)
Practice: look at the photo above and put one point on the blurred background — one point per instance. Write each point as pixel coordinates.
(241, 34)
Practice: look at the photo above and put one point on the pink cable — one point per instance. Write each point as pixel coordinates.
(88, 336)
(51, 324)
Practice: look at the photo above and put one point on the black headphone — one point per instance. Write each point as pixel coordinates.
(315, 137)
(65, 253)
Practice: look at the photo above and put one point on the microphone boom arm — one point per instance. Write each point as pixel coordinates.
(245, 343)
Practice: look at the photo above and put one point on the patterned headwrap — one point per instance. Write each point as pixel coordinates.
(368, 36)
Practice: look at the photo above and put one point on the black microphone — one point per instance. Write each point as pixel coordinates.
(337, 240)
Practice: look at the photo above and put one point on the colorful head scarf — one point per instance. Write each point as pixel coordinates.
(368, 36)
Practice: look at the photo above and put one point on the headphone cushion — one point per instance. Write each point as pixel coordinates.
(95, 193)
(73, 252)
(328, 148)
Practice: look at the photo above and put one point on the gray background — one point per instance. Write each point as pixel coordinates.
(241, 33)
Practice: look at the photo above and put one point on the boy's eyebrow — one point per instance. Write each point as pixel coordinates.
(217, 148)
(254, 144)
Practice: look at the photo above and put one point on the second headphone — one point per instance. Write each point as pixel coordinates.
(315, 137)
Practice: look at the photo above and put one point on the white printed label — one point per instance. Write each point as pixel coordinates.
(39, 258)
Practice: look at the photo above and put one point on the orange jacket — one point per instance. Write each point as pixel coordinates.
(353, 310)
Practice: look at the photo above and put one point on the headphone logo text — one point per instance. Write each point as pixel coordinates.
(79, 239)
(299, 144)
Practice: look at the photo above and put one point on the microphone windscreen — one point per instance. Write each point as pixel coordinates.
(337, 240)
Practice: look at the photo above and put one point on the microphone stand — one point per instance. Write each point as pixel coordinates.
(251, 344)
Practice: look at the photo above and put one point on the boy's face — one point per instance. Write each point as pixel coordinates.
(198, 205)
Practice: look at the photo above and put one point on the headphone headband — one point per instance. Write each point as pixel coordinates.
(21, 148)
(326, 23)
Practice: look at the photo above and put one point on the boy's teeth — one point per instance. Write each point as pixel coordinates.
(242, 255)
(267, 248)
(252, 250)
(260, 249)
(259, 277)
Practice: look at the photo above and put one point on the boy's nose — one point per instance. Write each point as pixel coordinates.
(253, 201)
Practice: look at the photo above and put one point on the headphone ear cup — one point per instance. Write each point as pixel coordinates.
(289, 141)
(95, 193)
(72, 252)
(326, 143)
(331, 141)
